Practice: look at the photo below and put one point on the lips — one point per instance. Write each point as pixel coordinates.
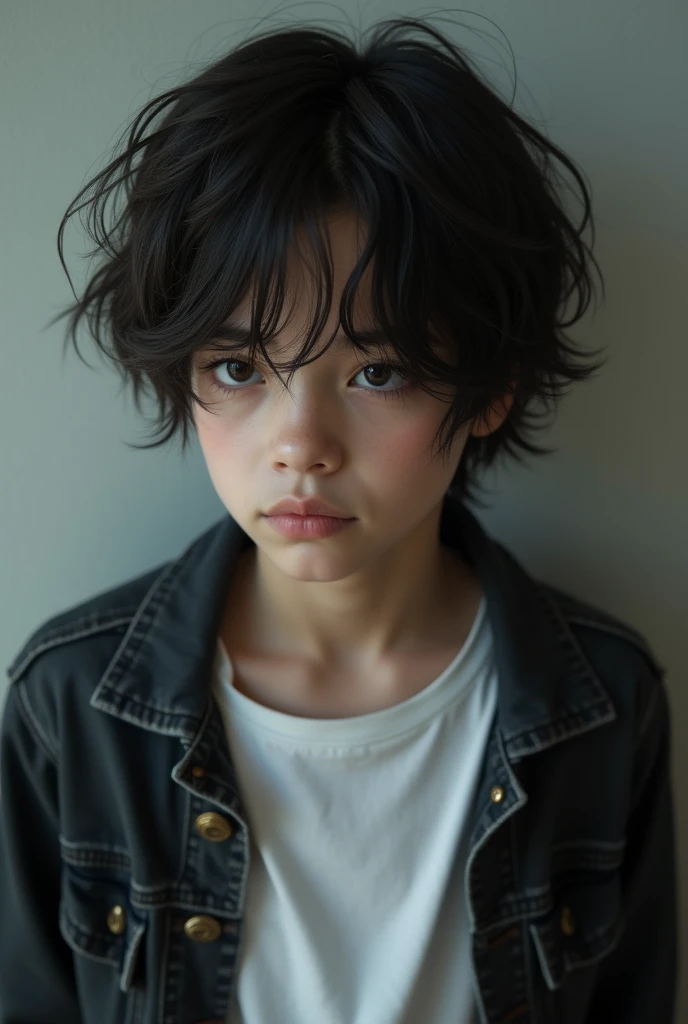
(305, 507)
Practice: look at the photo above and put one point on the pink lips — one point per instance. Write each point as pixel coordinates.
(313, 527)
(305, 507)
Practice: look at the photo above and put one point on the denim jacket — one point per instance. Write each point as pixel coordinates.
(124, 842)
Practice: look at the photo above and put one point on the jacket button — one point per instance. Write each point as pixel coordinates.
(117, 920)
(213, 826)
(497, 795)
(202, 928)
(568, 924)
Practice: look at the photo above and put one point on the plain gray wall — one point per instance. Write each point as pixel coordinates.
(604, 517)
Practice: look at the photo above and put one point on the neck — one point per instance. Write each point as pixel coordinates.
(414, 597)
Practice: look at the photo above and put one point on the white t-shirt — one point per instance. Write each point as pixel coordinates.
(355, 909)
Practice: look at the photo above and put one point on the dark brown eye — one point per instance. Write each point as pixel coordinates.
(382, 370)
(239, 372)
(238, 375)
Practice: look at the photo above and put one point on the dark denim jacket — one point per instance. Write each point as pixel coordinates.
(124, 842)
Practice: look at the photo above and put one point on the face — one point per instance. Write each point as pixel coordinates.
(346, 434)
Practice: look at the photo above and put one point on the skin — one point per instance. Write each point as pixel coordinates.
(365, 617)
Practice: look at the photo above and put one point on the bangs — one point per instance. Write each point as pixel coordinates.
(467, 252)
(280, 269)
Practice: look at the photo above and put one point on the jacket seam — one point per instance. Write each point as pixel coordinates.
(145, 617)
(647, 718)
(650, 761)
(637, 639)
(34, 726)
(15, 674)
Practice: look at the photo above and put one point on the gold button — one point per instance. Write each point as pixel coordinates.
(213, 826)
(197, 771)
(568, 925)
(202, 928)
(117, 920)
(497, 794)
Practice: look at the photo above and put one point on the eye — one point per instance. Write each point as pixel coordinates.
(237, 368)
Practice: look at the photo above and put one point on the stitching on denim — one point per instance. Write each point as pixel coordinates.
(164, 959)
(64, 631)
(536, 890)
(87, 952)
(143, 622)
(71, 931)
(91, 846)
(532, 902)
(560, 728)
(124, 649)
(148, 892)
(647, 717)
(74, 625)
(146, 615)
(63, 638)
(116, 858)
(603, 939)
(144, 705)
(572, 721)
(518, 908)
(129, 964)
(229, 966)
(135, 1006)
(97, 859)
(576, 611)
(186, 898)
(636, 638)
(174, 973)
(185, 834)
(160, 728)
(564, 623)
(500, 766)
(542, 957)
(34, 726)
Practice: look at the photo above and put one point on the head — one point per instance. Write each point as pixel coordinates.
(352, 426)
(308, 189)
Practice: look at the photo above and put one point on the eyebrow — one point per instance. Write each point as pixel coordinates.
(230, 332)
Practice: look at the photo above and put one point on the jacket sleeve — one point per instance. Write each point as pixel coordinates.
(637, 982)
(36, 970)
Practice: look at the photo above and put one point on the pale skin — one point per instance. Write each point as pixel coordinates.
(361, 620)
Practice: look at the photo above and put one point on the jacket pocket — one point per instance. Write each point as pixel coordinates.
(98, 921)
(584, 925)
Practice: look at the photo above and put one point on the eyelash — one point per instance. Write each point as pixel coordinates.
(209, 367)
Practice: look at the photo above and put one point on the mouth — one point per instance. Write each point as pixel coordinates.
(307, 527)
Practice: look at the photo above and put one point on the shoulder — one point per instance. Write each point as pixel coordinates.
(63, 659)
(594, 625)
(108, 612)
(621, 655)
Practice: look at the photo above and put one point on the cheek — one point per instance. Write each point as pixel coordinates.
(222, 443)
(411, 453)
(407, 450)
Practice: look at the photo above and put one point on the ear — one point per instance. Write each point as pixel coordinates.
(495, 416)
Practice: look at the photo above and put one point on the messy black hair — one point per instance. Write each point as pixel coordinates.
(471, 241)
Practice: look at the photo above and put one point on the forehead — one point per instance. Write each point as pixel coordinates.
(346, 236)
(344, 242)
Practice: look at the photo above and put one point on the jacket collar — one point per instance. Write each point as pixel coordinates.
(159, 676)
